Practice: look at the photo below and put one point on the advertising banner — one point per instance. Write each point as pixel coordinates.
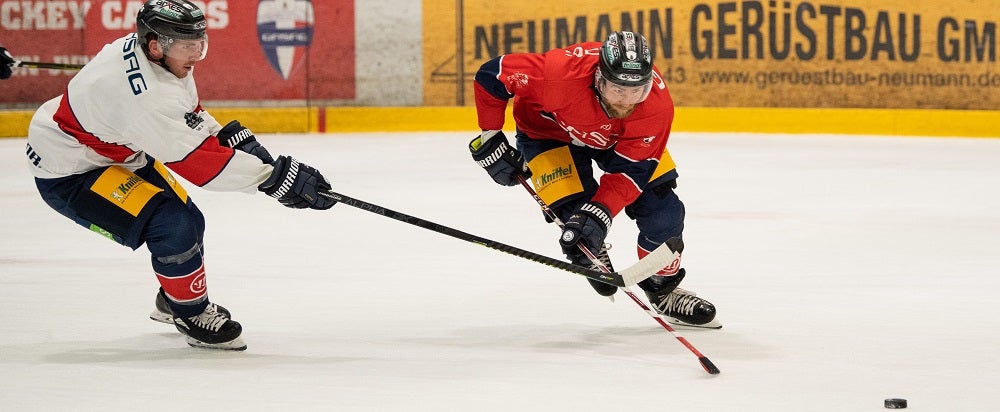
(258, 49)
(812, 54)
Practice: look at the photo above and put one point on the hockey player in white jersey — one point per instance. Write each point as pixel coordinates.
(100, 155)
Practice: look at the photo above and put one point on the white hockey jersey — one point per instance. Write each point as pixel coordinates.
(121, 106)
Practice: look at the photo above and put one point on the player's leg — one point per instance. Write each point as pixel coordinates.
(159, 176)
(120, 205)
(174, 237)
(659, 215)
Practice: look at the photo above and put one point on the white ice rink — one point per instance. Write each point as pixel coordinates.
(845, 269)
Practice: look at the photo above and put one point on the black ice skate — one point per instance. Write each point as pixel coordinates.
(211, 329)
(679, 306)
(163, 314)
(602, 288)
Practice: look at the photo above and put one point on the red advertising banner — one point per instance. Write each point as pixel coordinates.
(264, 49)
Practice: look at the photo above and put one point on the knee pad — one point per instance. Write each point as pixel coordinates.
(174, 238)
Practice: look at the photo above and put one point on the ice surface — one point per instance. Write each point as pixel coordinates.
(846, 270)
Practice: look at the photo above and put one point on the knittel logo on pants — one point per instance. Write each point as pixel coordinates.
(284, 31)
(123, 190)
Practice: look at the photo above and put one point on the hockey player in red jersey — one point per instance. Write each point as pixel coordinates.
(590, 103)
(100, 155)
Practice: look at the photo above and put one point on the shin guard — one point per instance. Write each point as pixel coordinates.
(187, 295)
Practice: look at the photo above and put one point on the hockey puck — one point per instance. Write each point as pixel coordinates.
(895, 403)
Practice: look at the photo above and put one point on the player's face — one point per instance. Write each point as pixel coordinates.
(618, 95)
(620, 101)
(180, 56)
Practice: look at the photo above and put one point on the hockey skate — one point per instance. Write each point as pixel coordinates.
(211, 329)
(602, 288)
(678, 306)
(162, 313)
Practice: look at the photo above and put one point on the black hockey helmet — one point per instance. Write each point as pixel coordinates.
(177, 19)
(625, 72)
(172, 21)
(625, 59)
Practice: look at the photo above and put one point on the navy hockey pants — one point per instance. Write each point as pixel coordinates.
(172, 229)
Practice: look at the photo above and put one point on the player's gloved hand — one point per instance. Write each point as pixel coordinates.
(6, 62)
(587, 226)
(234, 135)
(297, 185)
(503, 162)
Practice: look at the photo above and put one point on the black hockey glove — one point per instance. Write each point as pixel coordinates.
(503, 162)
(588, 226)
(297, 185)
(234, 135)
(6, 62)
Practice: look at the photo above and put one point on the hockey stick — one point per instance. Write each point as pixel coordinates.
(629, 276)
(43, 65)
(705, 362)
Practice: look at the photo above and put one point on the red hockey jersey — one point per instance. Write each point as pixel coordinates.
(554, 98)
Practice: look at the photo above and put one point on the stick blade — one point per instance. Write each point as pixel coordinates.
(709, 366)
(660, 258)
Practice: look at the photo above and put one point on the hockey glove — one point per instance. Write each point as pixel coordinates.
(6, 62)
(587, 226)
(503, 162)
(297, 185)
(234, 135)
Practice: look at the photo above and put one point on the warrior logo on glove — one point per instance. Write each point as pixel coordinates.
(503, 163)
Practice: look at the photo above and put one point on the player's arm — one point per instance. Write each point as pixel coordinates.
(237, 137)
(499, 80)
(491, 95)
(496, 82)
(629, 171)
(619, 189)
(182, 139)
(295, 184)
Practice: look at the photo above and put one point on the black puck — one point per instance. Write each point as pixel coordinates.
(895, 403)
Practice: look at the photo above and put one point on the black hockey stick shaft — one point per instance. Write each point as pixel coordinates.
(45, 65)
(705, 362)
(613, 278)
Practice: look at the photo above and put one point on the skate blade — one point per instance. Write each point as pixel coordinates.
(161, 317)
(234, 345)
(714, 324)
